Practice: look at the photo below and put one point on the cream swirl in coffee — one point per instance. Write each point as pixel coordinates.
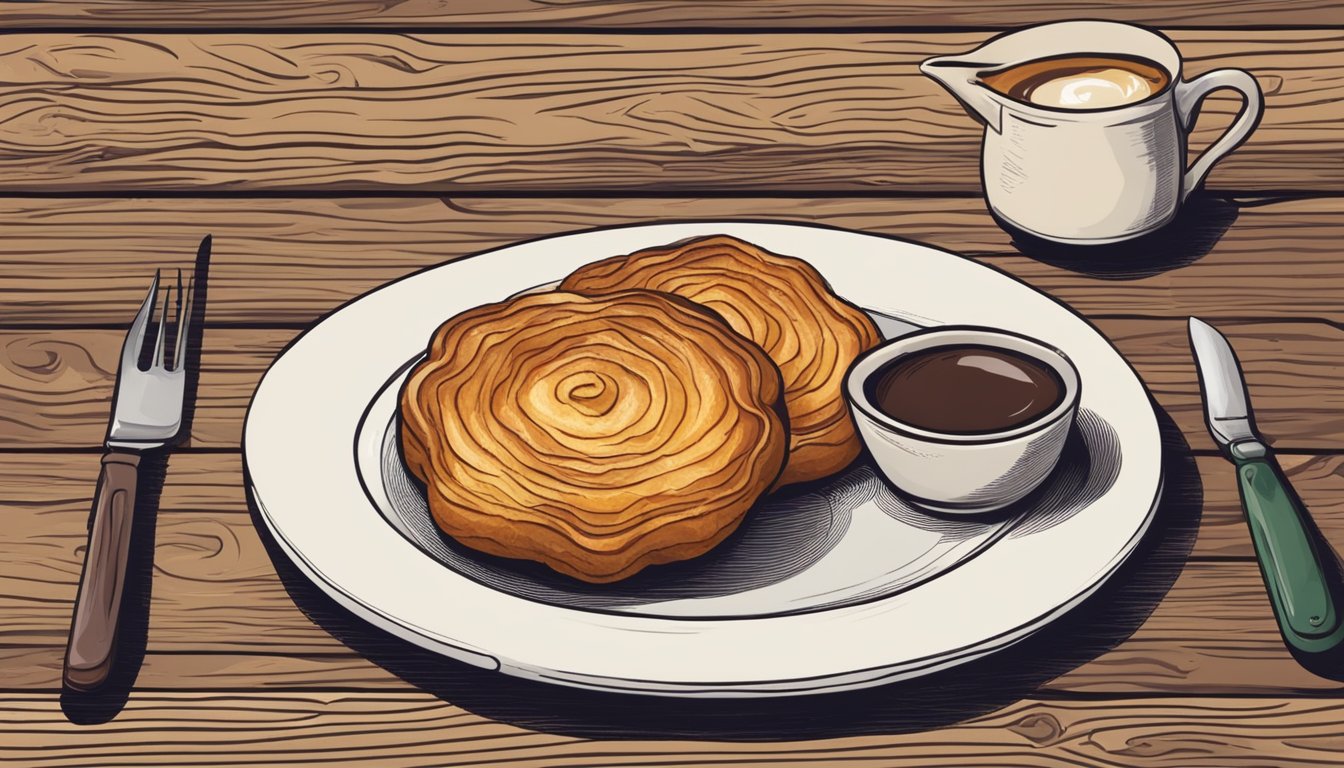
(1080, 82)
(1091, 90)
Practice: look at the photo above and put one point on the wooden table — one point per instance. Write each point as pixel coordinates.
(332, 146)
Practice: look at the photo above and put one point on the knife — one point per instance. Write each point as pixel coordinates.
(1303, 587)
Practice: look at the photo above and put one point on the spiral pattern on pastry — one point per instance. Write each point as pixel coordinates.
(597, 435)
(781, 303)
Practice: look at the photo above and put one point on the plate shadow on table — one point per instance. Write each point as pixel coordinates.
(1198, 227)
(103, 704)
(979, 687)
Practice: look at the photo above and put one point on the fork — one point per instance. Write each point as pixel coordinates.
(146, 415)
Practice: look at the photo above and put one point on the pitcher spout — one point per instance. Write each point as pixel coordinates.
(960, 76)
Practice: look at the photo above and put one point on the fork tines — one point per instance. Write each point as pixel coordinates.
(135, 338)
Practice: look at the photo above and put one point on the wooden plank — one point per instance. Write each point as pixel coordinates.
(58, 385)
(59, 382)
(547, 112)
(80, 261)
(659, 14)
(1213, 634)
(212, 577)
(211, 484)
(1222, 528)
(222, 618)
(1279, 360)
(416, 729)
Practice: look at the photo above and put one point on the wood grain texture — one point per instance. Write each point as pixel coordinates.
(82, 261)
(416, 730)
(223, 619)
(547, 112)
(249, 666)
(1214, 634)
(58, 383)
(210, 485)
(1222, 528)
(1278, 360)
(659, 14)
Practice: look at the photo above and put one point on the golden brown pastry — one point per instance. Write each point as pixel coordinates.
(597, 435)
(782, 304)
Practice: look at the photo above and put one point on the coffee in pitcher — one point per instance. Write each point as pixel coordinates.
(1080, 81)
(1086, 125)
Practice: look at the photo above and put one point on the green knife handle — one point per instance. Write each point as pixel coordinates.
(1296, 577)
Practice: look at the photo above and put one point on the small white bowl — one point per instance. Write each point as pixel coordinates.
(960, 473)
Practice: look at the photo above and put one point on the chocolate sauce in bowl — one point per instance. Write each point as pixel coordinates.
(965, 389)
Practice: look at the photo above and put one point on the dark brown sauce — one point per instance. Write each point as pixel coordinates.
(1020, 80)
(965, 389)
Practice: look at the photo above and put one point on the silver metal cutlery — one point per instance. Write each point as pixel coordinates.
(146, 415)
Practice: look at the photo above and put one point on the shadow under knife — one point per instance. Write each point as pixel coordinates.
(104, 703)
(1095, 626)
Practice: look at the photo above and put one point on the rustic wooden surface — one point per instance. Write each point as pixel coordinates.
(221, 613)
(59, 381)
(661, 14)
(403, 730)
(285, 261)
(333, 146)
(851, 111)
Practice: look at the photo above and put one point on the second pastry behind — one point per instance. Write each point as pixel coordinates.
(782, 304)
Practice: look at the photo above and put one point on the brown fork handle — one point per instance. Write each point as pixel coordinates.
(93, 633)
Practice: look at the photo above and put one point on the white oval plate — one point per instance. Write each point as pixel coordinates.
(301, 450)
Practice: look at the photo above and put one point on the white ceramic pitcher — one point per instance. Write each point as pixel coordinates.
(1091, 176)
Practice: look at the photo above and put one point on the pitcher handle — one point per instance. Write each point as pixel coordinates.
(1188, 98)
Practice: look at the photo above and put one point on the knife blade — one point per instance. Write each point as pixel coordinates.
(1303, 590)
(1226, 410)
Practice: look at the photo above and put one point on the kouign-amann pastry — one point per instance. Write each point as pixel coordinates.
(597, 435)
(782, 304)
